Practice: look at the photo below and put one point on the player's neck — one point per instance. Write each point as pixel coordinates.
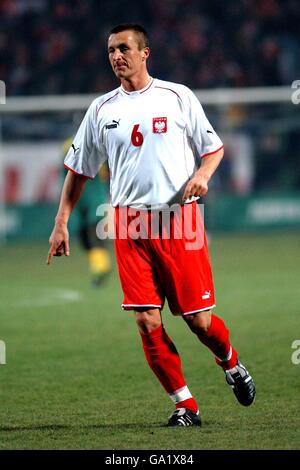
(136, 83)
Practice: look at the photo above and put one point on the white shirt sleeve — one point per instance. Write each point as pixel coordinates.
(199, 128)
(87, 154)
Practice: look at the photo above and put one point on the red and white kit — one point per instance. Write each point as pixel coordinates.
(157, 267)
(154, 140)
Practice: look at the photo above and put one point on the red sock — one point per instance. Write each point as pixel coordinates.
(190, 404)
(164, 360)
(217, 340)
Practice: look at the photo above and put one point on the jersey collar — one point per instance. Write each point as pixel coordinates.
(137, 92)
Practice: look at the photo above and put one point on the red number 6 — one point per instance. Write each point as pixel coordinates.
(136, 137)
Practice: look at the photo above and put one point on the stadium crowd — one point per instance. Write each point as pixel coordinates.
(56, 47)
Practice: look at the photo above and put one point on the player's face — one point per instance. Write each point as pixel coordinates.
(125, 56)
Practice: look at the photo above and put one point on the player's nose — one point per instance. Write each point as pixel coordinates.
(117, 55)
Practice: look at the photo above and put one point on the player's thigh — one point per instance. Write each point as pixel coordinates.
(185, 268)
(140, 284)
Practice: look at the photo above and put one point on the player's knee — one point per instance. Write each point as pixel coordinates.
(148, 320)
(199, 322)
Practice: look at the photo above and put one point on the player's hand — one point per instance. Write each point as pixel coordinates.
(59, 242)
(197, 186)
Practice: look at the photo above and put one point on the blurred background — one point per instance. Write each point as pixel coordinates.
(74, 364)
(240, 58)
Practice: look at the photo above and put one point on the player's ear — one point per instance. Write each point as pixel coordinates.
(146, 53)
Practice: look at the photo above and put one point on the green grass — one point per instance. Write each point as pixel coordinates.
(76, 377)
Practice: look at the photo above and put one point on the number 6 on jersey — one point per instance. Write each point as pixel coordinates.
(136, 136)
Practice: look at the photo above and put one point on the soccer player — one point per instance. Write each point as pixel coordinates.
(153, 134)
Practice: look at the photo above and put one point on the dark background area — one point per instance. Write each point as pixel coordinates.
(53, 47)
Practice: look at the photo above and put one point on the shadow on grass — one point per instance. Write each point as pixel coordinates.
(46, 427)
(57, 427)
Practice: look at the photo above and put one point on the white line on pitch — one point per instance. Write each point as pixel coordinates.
(48, 297)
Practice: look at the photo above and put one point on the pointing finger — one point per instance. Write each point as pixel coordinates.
(67, 248)
(49, 257)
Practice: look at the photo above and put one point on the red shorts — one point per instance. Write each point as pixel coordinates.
(164, 255)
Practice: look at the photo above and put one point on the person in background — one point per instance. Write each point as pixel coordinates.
(96, 192)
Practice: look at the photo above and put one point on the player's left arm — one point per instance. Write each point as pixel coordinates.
(198, 184)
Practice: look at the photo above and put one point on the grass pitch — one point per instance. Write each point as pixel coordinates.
(76, 377)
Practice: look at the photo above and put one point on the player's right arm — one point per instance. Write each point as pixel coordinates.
(84, 159)
(59, 238)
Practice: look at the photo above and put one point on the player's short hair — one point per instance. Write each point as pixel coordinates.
(141, 33)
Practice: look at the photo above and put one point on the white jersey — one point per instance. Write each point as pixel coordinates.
(153, 140)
